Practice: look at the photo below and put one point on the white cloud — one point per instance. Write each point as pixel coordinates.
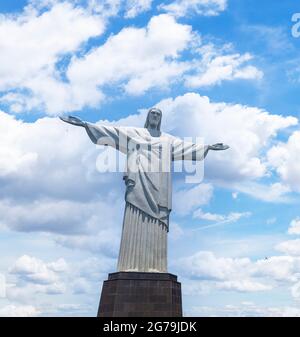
(94, 268)
(275, 192)
(188, 199)
(280, 268)
(243, 286)
(240, 274)
(105, 241)
(135, 7)
(220, 219)
(19, 311)
(215, 68)
(58, 216)
(151, 58)
(34, 280)
(206, 266)
(26, 293)
(290, 247)
(31, 276)
(294, 226)
(245, 309)
(247, 130)
(28, 84)
(285, 159)
(50, 183)
(200, 7)
(231, 217)
(67, 75)
(36, 271)
(49, 165)
(295, 290)
(105, 8)
(142, 58)
(199, 214)
(31, 45)
(129, 8)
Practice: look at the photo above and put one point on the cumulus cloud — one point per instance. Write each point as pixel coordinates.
(30, 276)
(50, 165)
(280, 268)
(243, 286)
(248, 130)
(47, 158)
(206, 266)
(158, 62)
(57, 216)
(188, 199)
(240, 274)
(31, 46)
(50, 181)
(104, 241)
(142, 58)
(19, 311)
(290, 247)
(200, 7)
(214, 68)
(285, 159)
(40, 83)
(36, 271)
(66, 74)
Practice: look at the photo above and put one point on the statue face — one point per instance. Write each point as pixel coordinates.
(154, 118)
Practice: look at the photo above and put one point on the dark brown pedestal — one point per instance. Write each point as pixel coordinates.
(133, 294)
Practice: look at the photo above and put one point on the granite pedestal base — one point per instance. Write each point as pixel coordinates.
(135, 294)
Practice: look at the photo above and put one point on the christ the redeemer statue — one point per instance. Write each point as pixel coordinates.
(149, 153)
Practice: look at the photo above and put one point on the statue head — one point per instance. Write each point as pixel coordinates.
(153, 120)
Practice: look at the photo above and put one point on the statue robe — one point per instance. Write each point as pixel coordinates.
(148, 190)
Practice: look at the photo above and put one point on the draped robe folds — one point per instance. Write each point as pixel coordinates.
(148, 191)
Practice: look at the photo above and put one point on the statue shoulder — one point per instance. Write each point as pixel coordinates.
(170, 137)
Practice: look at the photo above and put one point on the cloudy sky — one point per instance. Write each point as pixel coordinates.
(225, 70)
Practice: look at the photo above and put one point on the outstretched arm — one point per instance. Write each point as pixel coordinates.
(101, 134)
(73, 120)
(183, 150)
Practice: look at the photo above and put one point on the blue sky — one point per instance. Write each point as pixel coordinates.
(227, 71)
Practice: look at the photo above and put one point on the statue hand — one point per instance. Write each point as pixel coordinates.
(218, 147)
(73, 120)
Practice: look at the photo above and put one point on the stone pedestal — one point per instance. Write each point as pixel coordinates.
(135, 294)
